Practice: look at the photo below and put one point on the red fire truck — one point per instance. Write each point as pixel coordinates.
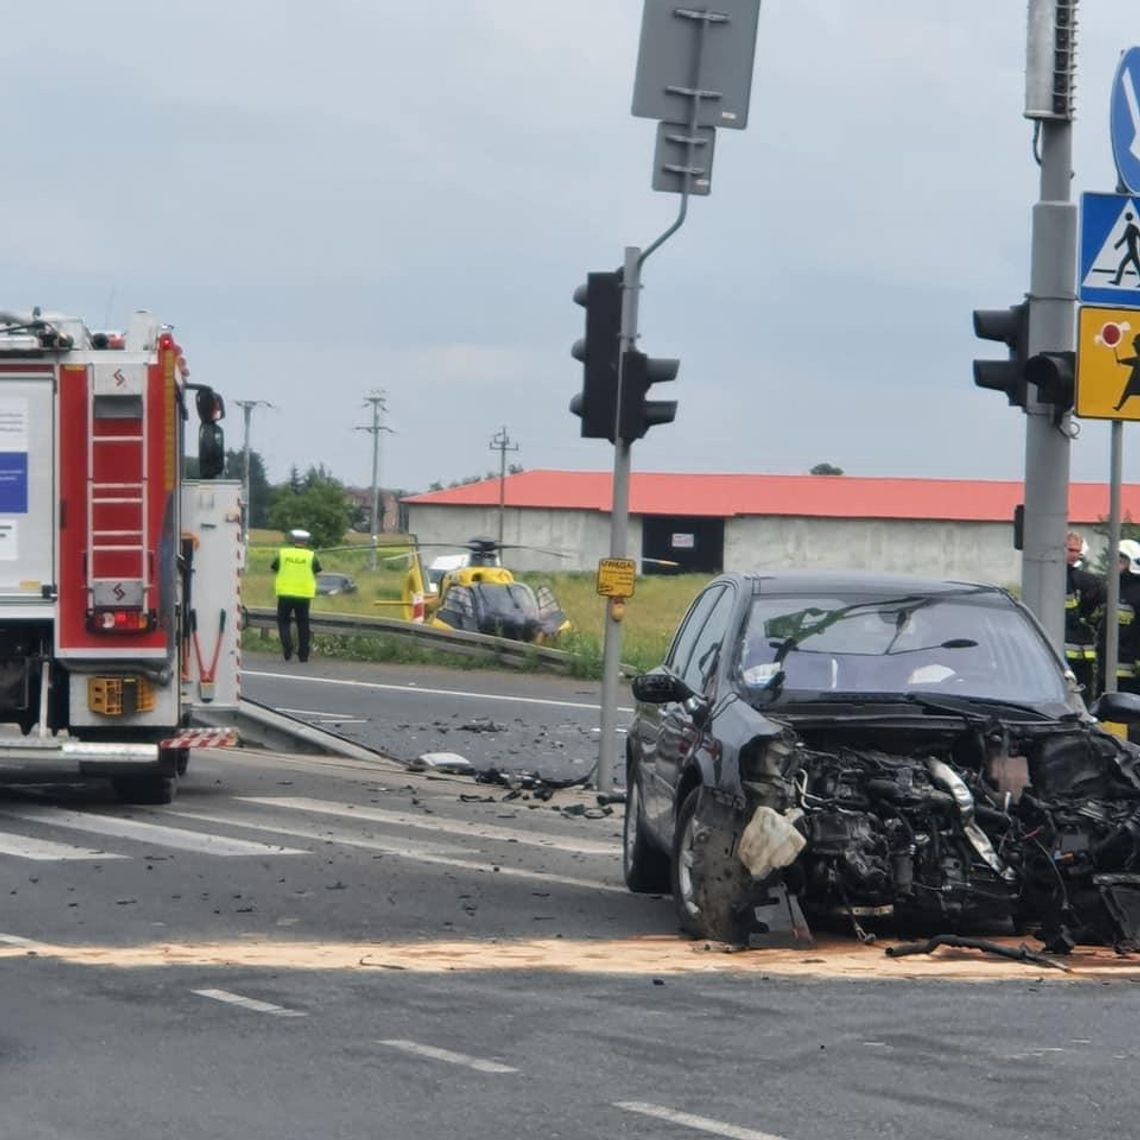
(119, 576)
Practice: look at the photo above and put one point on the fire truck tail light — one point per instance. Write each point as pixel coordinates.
(119, 696)
(120, 621)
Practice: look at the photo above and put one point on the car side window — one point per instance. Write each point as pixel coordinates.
(709, 643)
(683, 643)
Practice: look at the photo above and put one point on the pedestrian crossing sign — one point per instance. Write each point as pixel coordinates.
(1110, 250)
(1108, 364)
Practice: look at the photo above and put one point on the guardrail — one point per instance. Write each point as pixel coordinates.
(516, 654)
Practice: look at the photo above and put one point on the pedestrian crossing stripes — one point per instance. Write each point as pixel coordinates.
(152, 833)
(32, 831)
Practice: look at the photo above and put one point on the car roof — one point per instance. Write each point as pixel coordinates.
(856, 582)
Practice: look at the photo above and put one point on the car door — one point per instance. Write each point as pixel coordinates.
(681, 734)
(666, 727)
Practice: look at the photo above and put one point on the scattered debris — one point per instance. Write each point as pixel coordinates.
(450, 763)
(481, 724)
(1021, 954)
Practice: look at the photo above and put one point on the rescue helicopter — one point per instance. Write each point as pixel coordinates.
(476, 593)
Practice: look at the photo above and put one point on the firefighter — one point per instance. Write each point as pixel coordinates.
(1084, 598)
(296, 567)
(1128, 618)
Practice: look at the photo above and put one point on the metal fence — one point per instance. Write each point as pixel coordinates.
(516, 654)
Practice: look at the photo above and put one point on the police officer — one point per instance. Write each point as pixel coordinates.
(296, 567)
(1084, 597)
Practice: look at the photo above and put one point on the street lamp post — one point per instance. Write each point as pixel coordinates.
(247, 407)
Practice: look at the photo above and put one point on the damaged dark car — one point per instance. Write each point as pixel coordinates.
(882, 754)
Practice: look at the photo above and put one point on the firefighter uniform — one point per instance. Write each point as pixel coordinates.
(1128, 619)
(1084, 598)
(296, 568)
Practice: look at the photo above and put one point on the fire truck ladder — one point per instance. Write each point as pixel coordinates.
(118, 545)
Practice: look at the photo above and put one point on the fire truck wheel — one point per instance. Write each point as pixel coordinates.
(145, 789)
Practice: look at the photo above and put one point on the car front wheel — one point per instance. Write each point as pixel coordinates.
(706, 884)
(645, 866)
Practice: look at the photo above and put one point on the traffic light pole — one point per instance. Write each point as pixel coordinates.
(1051, 329)
(619, 530)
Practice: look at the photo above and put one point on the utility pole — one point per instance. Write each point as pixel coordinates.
(247, 407)
(378, 400)
(501, 442)
(1049, 74)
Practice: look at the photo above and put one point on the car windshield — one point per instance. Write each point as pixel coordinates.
(972, 644)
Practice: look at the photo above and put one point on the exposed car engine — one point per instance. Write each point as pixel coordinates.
(932, 841)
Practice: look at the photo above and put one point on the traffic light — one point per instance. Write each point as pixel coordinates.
(638, 414)
(599, 351)
(1011, 327)
(1054, 373)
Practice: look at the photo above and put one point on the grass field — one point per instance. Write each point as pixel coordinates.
(650, 616)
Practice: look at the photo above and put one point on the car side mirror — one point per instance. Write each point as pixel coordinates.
(660, 689)
(1120, 708)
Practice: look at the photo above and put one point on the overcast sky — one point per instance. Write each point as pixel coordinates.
(376, 194)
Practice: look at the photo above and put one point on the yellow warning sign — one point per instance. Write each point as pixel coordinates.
(1108, 364)
(616, 577)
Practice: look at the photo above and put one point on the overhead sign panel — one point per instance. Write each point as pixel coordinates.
(1108, 364)
(1124, 119)
(683, 159)
(1109, 271)
(704, 47)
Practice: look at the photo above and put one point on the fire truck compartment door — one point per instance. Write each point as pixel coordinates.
(27, 494)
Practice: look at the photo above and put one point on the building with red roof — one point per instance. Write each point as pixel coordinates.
(708, 523)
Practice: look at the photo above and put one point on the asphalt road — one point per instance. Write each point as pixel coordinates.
(517, 722)
(302, 947)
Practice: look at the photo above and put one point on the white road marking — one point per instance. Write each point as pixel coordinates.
(447, 1055)
(700, 1123)
(439, 823)
(43, 850)
(250, 1003)
(320, 832)
(175, 837)
(16, 940)
(428, 692)
(407, 849)
(324, 717)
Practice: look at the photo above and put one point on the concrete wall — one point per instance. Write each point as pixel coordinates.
(977, 550)
(981, 551)
(584, 536)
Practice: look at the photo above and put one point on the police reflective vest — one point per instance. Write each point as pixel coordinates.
(295, 577)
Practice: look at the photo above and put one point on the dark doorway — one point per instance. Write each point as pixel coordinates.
(696, 545)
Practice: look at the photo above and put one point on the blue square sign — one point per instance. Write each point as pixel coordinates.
(1109, 269)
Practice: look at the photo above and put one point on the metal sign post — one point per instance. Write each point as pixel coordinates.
(694, 73)
(1050, 66)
